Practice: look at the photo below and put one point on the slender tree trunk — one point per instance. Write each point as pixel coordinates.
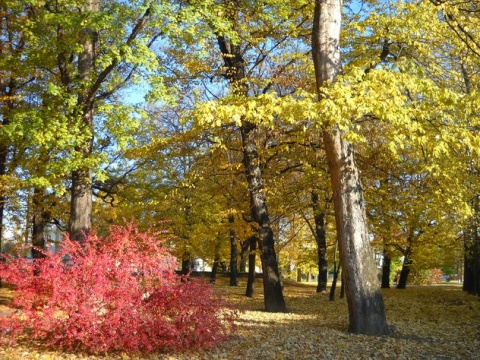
(251, 265)
(386, 271)
(364, 297)
(233, 254)
(8, 92)
(41, 217)
(216, 263)
(244, 255)
(320, 238)
(186, 263)
(272, 286)
(3, 198)
(407, 261)
(333, 288)
(402, 282)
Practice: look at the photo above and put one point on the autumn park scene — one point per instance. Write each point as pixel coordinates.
(235, 179)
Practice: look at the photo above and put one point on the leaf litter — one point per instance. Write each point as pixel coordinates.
(429, 322)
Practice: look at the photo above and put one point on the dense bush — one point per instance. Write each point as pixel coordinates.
(114, 293)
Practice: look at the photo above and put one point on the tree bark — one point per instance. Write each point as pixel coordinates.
(216, 263)
(386, 271)
(320, 238)
(333, 288)
(471, 281)
(81, 192)
(364, 297)
(244, 255)
(272, 286)
(407, 261)
(41, 217)
(402, 282)
(233, 254)
(251, 265)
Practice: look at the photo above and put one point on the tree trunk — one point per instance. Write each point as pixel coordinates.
(41, 217)
(342, 287)
(386, 271)
(244, 255)
(251, 266)
(272, 286)
(333, 288)
(402, 282)
(364, 297)
(320, 238)
(8, 93)
(471, 281)
(3, 198)
(186, 263)
(407, 261)
(216, 262)
(81, 192)
(233, 254)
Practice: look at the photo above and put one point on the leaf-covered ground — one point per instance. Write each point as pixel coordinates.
(437, 322)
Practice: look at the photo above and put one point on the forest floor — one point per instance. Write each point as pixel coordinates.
(427, 322)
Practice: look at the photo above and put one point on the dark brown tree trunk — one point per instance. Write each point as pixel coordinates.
(251, 265)
(471, 280)
(216, 263)
(364, 297)
(244, 255)
(342, 287)
(41, 217)
(468, 273)
(386, 271)
(333, 288)
(402, 282)
(8, 92)
(272, 285)
(233, 254)
(320, 238)
(3, 198)
(186, 263)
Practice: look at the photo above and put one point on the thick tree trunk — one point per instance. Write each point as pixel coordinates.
(320, 238)
(471, 281)
(386, 271)
(251, 265)
(233, 254)
(364, 297)
(81, 204)
(81, 191)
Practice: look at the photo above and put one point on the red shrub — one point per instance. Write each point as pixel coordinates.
(116, 293)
